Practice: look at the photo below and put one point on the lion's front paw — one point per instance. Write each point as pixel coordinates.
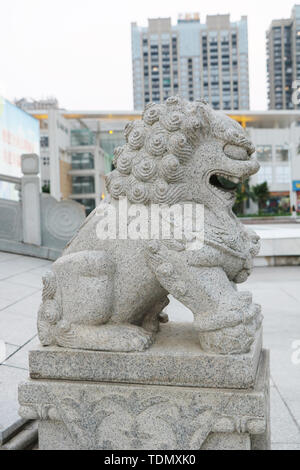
(235, 339)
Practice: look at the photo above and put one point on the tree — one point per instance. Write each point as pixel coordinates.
(260, 194)
(242, 195)
(46, 188)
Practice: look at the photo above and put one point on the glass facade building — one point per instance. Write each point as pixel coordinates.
(89, 164)
(109, 140)
(193, 60)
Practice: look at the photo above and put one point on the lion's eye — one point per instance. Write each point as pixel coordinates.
(235, 152)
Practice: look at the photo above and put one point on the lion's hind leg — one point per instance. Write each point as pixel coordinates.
(78, 291)
(109, 337)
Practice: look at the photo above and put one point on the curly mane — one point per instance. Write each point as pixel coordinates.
(150, 167)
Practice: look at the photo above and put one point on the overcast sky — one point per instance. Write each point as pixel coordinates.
(80, 50)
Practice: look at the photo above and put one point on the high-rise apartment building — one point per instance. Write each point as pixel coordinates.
(193, 60)
(283, 60)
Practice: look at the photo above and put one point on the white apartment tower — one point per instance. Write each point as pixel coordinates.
(193, 60)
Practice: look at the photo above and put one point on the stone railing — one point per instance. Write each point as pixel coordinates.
(11, 179)
(37, 224)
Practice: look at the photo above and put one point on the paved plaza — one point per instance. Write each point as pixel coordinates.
(277, 289)
(20, 296)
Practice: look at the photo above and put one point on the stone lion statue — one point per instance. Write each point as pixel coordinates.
(109, 294)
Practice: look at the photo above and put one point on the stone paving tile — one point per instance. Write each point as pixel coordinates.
(14, 292)
(28, 307)
(16, 328)
(292, 289)
(283, 427)
(10, 268)
(271, 297)
(30, 279)
(20, 357)
(290, 394)
(42, 269)
(10, 349)
(285, 446)
(275, 274)
(20, 297)
(7, 256)
(4, 304)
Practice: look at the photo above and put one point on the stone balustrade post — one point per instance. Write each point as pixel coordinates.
(31, 205)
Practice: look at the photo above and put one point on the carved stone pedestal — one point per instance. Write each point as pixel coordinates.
(172, 396)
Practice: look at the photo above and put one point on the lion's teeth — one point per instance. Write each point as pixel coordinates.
(233, 179)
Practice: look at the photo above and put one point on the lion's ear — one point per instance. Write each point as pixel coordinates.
(206, 113)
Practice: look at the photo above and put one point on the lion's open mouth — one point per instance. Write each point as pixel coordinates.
(224, 183)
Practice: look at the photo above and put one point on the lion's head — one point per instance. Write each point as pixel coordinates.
(180, 152)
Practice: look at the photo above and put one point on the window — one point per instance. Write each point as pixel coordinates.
(109, 142)
(282, 174)
(265, 174)
(89, 204)
(281, 154)
(83, 184)
(82, 161)
(264, 153)
(82, 137)
(44, 141)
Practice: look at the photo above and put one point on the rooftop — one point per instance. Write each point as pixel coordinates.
(256, 119)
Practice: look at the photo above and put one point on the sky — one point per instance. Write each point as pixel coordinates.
(80, 50)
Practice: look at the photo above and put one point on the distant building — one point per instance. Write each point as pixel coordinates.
(78, 152)
(276, 136)
(19, 133)
(191, 59)
(283, 60)
(55, 135)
